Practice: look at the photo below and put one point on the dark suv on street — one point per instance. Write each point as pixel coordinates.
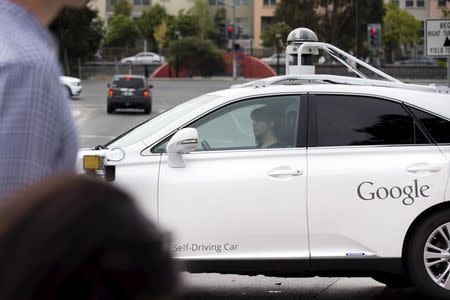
(129, 91)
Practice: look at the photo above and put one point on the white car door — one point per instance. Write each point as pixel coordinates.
(372, 171)
(235, 199)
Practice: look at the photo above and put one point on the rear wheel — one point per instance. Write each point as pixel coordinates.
(428, 259)
(110, 109)
(147, 108)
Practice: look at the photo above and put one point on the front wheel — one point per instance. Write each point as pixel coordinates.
(69, 92)
(428, 259)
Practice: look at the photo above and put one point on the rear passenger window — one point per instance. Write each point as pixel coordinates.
(130, 83)
(439, 128)
(337, 120)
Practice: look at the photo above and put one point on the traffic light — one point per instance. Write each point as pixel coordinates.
(223, 31)
(230, 31)
(374, 35)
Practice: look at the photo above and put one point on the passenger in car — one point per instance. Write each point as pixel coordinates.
(267, 128)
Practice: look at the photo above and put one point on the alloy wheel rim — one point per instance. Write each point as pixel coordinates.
(437, 256)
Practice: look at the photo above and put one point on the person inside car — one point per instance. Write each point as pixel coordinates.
(267, 127)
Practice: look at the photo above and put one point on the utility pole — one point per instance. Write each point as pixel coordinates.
(233, 35)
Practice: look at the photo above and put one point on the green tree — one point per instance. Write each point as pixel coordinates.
(298, 13)
(399, 28)
(79, 33)
(219, 18)
(149, 20)
(184, 26)
(196, 56)
(122, 32)
(122, 7)
(160, 34)
(200, 11)
(269, 36)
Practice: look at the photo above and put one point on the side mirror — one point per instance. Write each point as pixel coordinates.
(108, 85)
(150, 86)
(184, 141)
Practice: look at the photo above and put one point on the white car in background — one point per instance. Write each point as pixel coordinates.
(143, 58)
(72, 85)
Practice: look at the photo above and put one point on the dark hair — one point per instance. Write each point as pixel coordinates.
(262, 113)
(78, 238)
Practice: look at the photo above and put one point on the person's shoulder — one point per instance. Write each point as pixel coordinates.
(23, 48)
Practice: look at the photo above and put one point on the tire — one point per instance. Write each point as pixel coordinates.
(428, 232)
(110, 109)
(69, 92)
(394, 281)
(147, 108)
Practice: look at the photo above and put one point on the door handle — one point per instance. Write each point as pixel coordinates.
(423, 168)
(285, 172)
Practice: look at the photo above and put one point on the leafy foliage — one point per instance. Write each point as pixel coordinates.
(298, 13)
(79, 33)
(183, 26)
(122, 7)
(160, 34)
(150, 19)
(122, 31)
(332, 20)
(399, 27)
(200, 11)
(196, 56)
(269, 36)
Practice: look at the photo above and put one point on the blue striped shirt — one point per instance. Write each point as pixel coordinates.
(38, 138)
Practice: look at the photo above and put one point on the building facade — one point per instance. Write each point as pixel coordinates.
(263, 18)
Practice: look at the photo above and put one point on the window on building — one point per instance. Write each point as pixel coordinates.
(409, 3)
(212, 2)
(269, 2)
(442, 3)
(420, 3)
(395, 2)
(113, 2)
(137, 2)
(245, 2)
(145, 2)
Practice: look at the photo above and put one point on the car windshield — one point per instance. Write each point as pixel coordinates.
(129, 83)
(157, 123)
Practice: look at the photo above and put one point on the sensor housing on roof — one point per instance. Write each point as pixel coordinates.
(295, 39)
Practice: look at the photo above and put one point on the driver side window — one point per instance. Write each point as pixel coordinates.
(269, 122)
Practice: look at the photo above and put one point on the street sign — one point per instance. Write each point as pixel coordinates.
(437, 37)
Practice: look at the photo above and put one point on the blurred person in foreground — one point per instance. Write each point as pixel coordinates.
(37, 133)
(78, 238)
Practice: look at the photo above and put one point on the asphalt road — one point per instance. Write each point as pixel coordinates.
(97, 127)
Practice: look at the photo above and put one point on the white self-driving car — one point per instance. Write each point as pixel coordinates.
(298, 175)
